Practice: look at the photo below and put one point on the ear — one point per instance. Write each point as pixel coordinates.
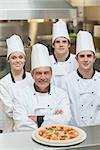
(94, 58)
(8, 61)
(53, 45)
(32, 73)
(69, 44)
(76, 57)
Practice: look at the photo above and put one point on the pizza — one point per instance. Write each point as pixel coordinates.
(58, 134)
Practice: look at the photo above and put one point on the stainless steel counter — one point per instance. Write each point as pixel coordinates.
(23, 141)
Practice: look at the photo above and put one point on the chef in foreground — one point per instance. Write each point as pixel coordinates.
(83, 85)
(43, 103)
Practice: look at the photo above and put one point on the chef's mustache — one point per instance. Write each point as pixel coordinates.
(43, 81)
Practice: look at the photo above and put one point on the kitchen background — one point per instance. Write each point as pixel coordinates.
(33, 19)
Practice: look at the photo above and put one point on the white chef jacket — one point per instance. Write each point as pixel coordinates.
(84, 96)
(7, 97)
(60, 70)
(41, 104)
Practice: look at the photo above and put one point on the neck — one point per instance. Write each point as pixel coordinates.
(61, 57)
(86, 74)
(45, 90)
(17, 75)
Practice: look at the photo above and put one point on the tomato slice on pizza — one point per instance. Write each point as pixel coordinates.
(58, 134)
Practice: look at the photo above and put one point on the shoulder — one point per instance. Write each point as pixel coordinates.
(6, 78)
(57, 91)
(97, 74)
(52, 58)
(28, 74)
(72, 58)
(71, 75)
(72, 55)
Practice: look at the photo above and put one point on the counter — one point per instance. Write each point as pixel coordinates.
(23, 141)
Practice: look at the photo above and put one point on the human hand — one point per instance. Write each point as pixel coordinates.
(58, 112)
(32, 117)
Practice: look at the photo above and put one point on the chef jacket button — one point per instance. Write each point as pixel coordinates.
(92, 92)
(82, 105)
(69, 62)
(49, 93)
(94, 79)
(91, 105)
(54, 63)
(77, 79)
(34, 93)
(82, 117)
(48, 105)
(90, 117)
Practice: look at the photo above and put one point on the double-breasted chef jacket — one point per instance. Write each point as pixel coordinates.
(84, 96)
(7, 84)
(30, 102)
(60, 70)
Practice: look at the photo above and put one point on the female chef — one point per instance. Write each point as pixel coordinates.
(17, 76)
(83, 85)
(43, 104)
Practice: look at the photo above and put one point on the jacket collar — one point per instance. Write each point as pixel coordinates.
(65, 59)
(80, 75)
(42, 92)
(23, 76)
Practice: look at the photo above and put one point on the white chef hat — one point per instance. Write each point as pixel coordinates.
(60, 30)
(84, 42)
(14, 43)
(39, 56)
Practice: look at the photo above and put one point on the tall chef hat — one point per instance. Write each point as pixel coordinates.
(39, 56)
(60, 30)
(84, 42)
(14, 44)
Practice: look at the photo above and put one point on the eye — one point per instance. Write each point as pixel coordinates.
(82, 56)
(46, 73)
(89, 55)
(13, 57)
(38, 73)
(64, 41)
(21, 57)
(57, 41)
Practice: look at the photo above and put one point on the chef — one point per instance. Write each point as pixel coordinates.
(17, 76)
(43, 104)
(83, 85)
(63, 62)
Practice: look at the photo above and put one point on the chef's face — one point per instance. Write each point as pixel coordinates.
(17, 61)
(42, 77)
(61, 45)
(86, 60)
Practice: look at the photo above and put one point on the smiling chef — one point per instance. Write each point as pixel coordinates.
(17, 76)
(43, 103)
(83, 85)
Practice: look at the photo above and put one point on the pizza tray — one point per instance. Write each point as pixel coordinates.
(83, 136)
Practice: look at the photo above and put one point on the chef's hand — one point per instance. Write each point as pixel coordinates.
(32, 117)
(58, 112)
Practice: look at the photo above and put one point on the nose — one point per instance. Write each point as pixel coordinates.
(85, 58)
(61, 44)
(42, 76)
(17, 59)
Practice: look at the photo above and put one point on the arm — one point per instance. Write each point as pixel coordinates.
(61, 113)
(21, 118)
(6, 98)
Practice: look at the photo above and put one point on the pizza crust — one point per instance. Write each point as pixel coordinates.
(66, 141)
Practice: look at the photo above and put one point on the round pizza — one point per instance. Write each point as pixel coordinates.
(58, 134)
